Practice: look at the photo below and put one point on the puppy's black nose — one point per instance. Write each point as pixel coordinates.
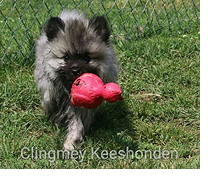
(75, 71)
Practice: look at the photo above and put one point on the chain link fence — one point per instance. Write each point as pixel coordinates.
(21, 21)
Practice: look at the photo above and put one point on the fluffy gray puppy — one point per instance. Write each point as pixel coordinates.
(69, 46)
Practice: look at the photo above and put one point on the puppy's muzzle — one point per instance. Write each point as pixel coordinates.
(75, 71)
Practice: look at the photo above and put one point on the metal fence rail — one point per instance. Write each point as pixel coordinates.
(22, 20)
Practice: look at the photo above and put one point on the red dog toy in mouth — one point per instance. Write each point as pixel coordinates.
(88, 91)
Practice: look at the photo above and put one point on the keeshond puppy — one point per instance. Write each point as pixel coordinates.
(69, 46)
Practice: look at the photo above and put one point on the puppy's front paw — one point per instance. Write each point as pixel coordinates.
(72, 142)
(68, 145)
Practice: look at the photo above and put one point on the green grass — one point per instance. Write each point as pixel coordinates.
(159, 77)
(160, 80)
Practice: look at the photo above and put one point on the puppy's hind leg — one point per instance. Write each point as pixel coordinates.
(75, 133)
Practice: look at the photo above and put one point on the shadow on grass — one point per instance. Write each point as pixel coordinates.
(112, 127)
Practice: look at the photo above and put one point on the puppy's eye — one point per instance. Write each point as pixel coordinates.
(87, 59)
(66, 57)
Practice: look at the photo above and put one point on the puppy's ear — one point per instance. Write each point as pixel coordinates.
(100, 26)
(53, 26)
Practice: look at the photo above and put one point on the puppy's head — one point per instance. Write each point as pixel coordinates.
(77, 45)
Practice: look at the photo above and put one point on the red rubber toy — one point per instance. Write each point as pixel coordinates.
(88, 91)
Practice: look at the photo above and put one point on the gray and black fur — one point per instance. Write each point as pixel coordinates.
(72, 45)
